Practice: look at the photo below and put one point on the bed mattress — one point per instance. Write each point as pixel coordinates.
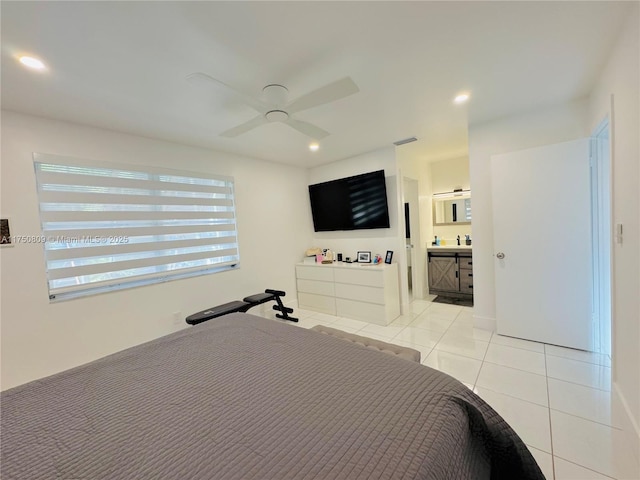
(243, 397)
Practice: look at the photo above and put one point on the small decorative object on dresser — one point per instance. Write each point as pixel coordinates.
(389, 256)
(364, 257)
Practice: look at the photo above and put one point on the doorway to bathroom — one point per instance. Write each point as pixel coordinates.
(412, 237)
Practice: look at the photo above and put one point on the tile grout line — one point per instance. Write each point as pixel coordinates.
(443, 334)
(575, 383)
(483, 360)
(546, 379)
(514, 368)
(586, 468)
(612, 427)
(516, 398)
(575, 359)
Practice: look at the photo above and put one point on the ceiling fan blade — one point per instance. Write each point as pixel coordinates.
(308, 129)
(200, 78)
(245, 127)
(329, 93)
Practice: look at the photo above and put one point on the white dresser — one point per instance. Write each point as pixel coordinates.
(362, 291)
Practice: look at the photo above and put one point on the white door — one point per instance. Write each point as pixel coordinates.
(542, 244)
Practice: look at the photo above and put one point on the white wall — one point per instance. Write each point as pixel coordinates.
(544, 127)
(39, 338)
(449, 174)
(621, 79)
(378, 240)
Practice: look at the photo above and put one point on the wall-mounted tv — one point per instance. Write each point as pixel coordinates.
(352, 203)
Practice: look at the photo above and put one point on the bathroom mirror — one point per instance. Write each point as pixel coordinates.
(452, 211)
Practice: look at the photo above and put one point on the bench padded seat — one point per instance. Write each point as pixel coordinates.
(258, 298)
(384, 347)
(218, 311)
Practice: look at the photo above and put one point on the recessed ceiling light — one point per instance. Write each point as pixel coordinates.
(314, 146)
(461, 98)
(33, 63)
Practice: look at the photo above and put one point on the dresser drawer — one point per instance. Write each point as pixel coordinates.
(466, 281)
(368, 312)
(369, 276)
(316, 286)
(466, 262)
(314, 273)
(318, 303)
(360, 293)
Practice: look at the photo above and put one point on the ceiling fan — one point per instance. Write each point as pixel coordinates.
(275, 107)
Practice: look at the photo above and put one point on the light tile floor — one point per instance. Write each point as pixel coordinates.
(557, 399)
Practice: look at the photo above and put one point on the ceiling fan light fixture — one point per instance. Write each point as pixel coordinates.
(277, 116)
(314, 146)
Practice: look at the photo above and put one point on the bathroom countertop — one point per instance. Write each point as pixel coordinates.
(449, 248)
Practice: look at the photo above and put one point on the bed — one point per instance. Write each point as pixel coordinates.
(243, 397)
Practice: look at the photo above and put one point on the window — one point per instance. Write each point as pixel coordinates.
(108, 227)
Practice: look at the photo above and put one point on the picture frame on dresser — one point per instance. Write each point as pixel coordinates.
(364, 257)
(388, 257)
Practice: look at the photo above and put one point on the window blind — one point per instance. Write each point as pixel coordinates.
(106, 226)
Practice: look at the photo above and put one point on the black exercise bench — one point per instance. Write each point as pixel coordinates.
(243, 306)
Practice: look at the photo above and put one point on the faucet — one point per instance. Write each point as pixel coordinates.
(458, 240)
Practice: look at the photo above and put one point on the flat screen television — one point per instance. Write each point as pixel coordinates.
(352, 203)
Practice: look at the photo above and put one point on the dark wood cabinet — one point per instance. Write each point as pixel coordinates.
(443, 273)
(450, 273)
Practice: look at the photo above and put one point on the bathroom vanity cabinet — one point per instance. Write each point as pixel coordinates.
(450, 271)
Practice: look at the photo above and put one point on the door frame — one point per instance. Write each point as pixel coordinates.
(601, 223)
(411, 196)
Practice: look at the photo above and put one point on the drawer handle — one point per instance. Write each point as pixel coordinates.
(470, 286)
(471, 274)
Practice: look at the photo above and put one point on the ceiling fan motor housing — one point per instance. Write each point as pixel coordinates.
(277, 116)
(275, 94)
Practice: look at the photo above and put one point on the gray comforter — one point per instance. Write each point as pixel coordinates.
(242, 397)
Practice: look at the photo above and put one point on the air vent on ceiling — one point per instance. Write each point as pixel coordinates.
(406, 140)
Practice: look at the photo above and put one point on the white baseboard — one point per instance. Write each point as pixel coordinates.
(485, 323)
(633, 429)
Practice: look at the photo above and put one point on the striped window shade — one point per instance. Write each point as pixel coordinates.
(107, 226)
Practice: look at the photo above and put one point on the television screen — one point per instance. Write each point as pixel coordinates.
(351, 203)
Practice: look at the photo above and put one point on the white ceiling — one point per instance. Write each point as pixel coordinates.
(122, 66)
